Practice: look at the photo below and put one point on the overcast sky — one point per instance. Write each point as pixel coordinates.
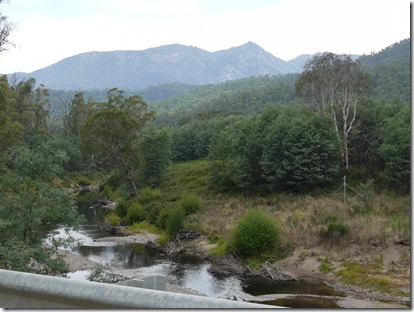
(50, 30)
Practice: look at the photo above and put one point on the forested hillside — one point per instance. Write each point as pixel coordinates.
(390, 70)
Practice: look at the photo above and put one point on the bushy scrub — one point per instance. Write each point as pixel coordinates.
(121, 208)
(254, 234)
(113, 219)
(134, 213)
(190, 203)
(175, 221)
(335, 230)
(148, 195)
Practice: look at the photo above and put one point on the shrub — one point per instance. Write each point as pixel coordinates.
(190, 203)
(113, 219)
(254, 233)
(335, 230)
(121, 208)
(83, 181)
(134, 213)
(148, 194)
(163, 218)
(175, 221)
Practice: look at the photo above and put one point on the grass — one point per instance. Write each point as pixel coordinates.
(301, 219)
(143, 226)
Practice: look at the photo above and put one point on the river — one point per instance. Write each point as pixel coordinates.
(189, 271)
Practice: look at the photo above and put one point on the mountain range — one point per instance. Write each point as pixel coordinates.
(137, 70)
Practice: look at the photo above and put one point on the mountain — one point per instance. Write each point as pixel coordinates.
(390, 70)
(165, 64)
(397, 52)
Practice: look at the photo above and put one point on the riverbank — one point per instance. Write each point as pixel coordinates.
(296, 265)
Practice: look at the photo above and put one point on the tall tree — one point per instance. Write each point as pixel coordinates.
(110, 139)
(335, 85)
(6, 28)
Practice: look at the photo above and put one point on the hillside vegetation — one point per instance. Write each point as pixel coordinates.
(260, 154)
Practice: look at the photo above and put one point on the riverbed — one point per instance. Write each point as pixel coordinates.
(127, 258)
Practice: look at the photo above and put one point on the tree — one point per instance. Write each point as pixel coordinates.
(110, 139)
(299, 151)
(77, 114)
(11, 131)
(335, 85)
(155, 147)
(6, 28)
(30, 206)
(111, 134)
(396, 149)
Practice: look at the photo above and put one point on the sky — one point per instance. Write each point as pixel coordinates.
(47, 31)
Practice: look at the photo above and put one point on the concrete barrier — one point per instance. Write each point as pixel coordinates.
(26, 290)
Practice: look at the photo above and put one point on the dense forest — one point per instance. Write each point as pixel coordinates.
(252, 137)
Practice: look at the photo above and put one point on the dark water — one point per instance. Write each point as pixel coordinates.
(258, 286)
(186, 270)
(303, 302)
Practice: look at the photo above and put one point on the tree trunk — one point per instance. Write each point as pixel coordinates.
(346, 153)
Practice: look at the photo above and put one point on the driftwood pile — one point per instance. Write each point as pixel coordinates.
(231, 265)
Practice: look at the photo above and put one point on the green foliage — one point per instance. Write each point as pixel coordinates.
(113, 219)
(147, 195)
(155, 146)
(31, 205)
(121, 208)
(162, 239)
(190, 203)
(175, 221)
(335, 230)
(286, 148)
(396, 150)
(254, 234)
(221, 249)
(134, 212)
(142, 226)
(367, 193)
(325, 266)
(300, 151)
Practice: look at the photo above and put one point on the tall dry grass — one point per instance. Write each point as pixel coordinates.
(302, 217)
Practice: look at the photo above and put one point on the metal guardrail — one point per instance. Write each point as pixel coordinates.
(27, 290)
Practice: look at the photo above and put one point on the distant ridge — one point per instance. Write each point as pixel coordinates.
(165, 64)
(176, 63)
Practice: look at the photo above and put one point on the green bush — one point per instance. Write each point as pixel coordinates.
(83, 181)
(335, 230)
(190, 203)
(107, 191)
(113, 219)
(254, 234)
(163, 218)
(121, 208)
(134, 213)
(146, 195)
(175, 221)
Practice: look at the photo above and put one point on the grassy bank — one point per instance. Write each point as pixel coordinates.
(350, 244)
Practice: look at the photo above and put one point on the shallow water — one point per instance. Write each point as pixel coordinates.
(184, 270)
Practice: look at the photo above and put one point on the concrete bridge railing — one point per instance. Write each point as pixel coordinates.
(26, 290)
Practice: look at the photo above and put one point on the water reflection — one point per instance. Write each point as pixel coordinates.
(119, 256)
(182, 270)
(304, 302)
(260, 286)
